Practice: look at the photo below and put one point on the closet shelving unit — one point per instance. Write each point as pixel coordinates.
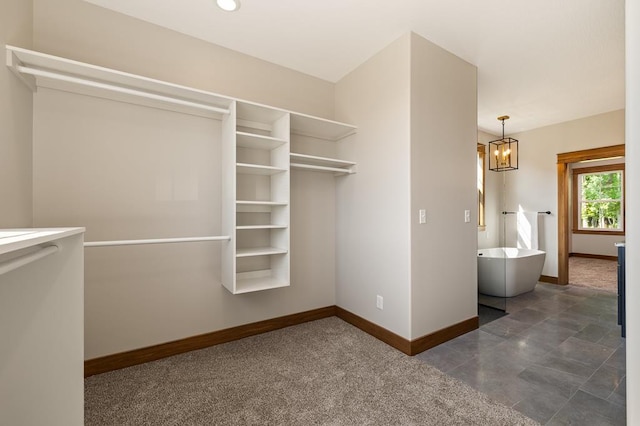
(256, 158)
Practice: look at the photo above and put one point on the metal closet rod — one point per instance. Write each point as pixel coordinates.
(119, 89)
(547, 212)
(155, 241)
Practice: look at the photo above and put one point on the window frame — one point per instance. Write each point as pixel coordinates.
(481, 156)
(576, 202)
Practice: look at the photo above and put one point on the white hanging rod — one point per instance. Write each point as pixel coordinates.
(119, 89)
(154, 241)
(18, 262)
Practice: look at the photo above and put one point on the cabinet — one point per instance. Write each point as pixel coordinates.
(621, 289)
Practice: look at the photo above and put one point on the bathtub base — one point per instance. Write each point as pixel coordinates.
(508, 272)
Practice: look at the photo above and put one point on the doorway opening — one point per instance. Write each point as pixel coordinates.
(564, 162)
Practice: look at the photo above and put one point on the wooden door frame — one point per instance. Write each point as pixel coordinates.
(564, 232)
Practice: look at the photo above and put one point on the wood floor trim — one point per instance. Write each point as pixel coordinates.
(155, 352)
(548, 279)
(432, 340)
(152, 353)
(380, 333)
(593, 256)
(409, 347)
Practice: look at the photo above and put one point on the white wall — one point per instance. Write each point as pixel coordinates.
(443, 176)
(373, 217)
(490, 236)
(633, 208)
(533, 187)
(79, 30)
(16, 28)
(125, 171)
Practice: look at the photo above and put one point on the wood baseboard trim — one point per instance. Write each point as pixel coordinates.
(431, 340)
(548, 279)
(164, 350)
(409, 347)
(380, 333)
(152, 353)
(593, 256)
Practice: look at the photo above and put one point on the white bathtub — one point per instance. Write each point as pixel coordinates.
(508, 271)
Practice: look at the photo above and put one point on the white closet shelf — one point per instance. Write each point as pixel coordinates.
(320, 128)
(260, 203)
(248, 227)
(37, 69)
(259, 251)
(254, 141)
(247, 282)
(258, 169)
(324, 164)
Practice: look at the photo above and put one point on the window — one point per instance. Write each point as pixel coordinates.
(598, 199)
(480, 167)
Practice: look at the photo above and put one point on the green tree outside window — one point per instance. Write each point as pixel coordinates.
(601, 200)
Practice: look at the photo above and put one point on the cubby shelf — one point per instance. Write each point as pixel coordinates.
(259, 251)
(247, 282)
(258, 169)
(250, 227)
(261, 203)
(256, 141)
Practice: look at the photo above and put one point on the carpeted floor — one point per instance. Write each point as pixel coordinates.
(322, 372)
(595, 273)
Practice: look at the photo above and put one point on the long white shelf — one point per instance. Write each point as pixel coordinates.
(257, 169)
(42, 70)
(37, 69)
(259, 251)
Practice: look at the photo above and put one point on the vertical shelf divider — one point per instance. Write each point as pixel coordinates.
(228, 214)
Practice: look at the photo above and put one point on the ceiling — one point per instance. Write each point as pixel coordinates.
(541, 62)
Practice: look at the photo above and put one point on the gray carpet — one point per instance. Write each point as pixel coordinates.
(325, 372)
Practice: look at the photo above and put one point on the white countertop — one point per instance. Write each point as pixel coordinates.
(16, 239)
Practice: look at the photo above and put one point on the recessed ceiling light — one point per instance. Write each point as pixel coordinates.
(228, 5)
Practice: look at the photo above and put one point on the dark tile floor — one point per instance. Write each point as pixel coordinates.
(557, 357)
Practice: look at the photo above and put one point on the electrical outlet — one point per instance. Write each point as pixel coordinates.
(422, 216)
(379, 302)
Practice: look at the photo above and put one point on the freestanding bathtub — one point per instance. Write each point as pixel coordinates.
(508, 271)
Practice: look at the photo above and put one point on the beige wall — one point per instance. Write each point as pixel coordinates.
(373, 247)
(79, 30)
(16, 28)
(443, 176)
(126, 171)
(415, 105)
(533, 187)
